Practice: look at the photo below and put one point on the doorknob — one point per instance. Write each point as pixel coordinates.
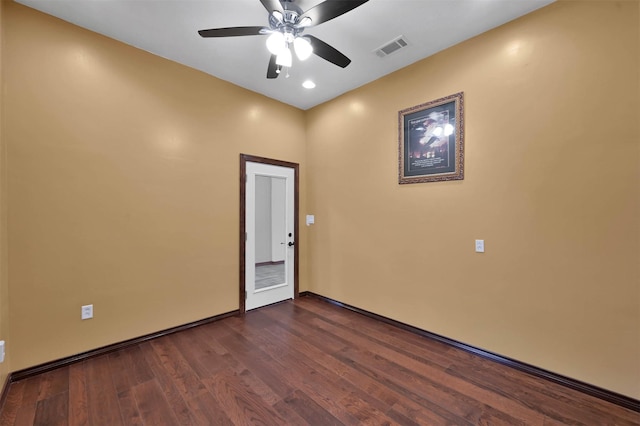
(291, 243)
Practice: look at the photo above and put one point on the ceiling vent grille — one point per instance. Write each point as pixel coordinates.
(391, 47)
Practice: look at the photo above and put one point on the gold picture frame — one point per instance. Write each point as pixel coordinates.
(431, 141)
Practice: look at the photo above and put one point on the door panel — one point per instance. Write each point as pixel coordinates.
(270, 234)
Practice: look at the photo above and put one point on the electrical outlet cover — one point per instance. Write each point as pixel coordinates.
(87, 312)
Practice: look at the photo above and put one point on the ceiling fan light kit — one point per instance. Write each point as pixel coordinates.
(303, 48)
(284, 58)
(276, 43)
(287, 22)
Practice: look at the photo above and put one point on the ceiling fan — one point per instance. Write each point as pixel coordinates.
(287, 22)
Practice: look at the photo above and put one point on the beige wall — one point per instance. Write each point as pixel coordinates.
(551, 184)
(4, 287)
(123, 186)
(122, 192)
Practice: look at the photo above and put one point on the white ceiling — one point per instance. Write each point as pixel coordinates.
(168, 28)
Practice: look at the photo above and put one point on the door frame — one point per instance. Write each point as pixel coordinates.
(244, 158)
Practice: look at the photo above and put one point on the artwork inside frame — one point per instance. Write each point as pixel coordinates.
(431, 141)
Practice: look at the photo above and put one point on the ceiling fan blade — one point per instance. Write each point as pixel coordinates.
(272, 70)
(330, 9)
(232, 32)
(327, 52)
(272, 5)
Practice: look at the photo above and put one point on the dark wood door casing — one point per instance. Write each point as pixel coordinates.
(244, 158)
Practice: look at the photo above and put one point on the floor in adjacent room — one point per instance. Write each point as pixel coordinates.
(269, 275)
(294, 363)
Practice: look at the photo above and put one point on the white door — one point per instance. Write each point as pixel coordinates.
(270, 239)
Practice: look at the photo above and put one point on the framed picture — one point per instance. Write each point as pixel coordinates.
(431, 141)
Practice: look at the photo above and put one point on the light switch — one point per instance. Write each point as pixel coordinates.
(311, 219)
(479, 246)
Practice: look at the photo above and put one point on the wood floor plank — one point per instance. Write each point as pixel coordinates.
(26, 414)
(394, 337)
(307, 346)
(550, 404)
(141, 370)
(53, 382)
(409, 390)
(212, 333)
(266, 321)
(401, 419)
(295, 363)
(102, 401)
(152, 405)
(373, 356)
(418, 414)
(290, 414)
(363, 399)
(78, 405)
(261, 389)
(438, 389)
(240, 405)
(309, 410)
(128, 368)
(325, 392)
(207, 411)
(498, 379)
(339, 317)
(120, 368)
(298, 326)
(53, 411)
(186, 380)
(12, 403)
(200, 355)
(129, 408)
(365, 408)
(258, 362)
(31, 390)
(169, 388)
(249, 380)
(443, 384)
(424, 366)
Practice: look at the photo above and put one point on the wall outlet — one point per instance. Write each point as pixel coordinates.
(479, 246)
(1, 350)
(87, 312)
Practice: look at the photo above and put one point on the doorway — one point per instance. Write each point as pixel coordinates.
(268, 231)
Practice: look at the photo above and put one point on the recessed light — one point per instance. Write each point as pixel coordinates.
(308, 84)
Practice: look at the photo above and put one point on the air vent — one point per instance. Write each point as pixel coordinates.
(393, 46)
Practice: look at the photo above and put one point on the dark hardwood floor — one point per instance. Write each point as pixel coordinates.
(302, 362)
